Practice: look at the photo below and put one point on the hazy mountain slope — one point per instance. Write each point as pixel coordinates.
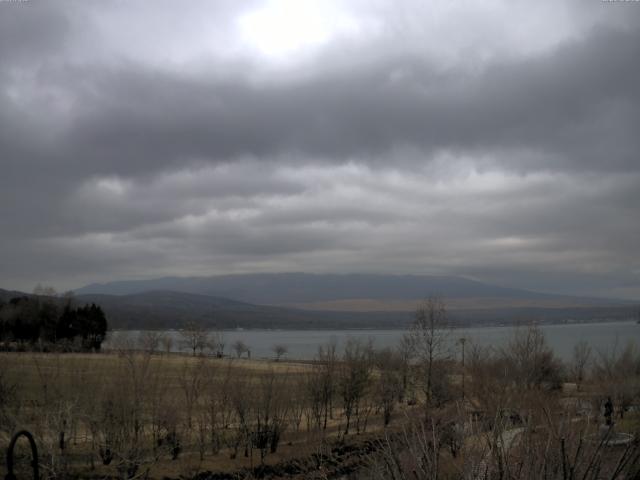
(460, 303)
(6, 295)
(167, 309)
(170, 309)
(339, 301)
(299, 288)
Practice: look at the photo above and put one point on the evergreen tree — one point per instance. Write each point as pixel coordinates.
(34, 319)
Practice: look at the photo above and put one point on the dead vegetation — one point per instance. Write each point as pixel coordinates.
(411, 412)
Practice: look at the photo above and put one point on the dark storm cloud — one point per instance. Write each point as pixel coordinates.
(31, 32)
(136, 155)
(570, 110)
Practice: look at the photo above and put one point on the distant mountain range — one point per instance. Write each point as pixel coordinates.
(357, 300)
(6, 295)
(306, 301)
(304, 288)
(162, 309)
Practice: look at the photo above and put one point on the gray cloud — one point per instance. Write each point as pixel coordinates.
(179, 148)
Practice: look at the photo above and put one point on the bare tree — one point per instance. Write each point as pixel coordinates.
(388, 385)
(240, 347)
(270, 409)
(192, 381)
(194, 337)
(166, 341)
(328, 363)
(8, 400)
(217, 344)
(121, 416)
(215, 409)
(240, 398)
(299, 403)
(489, 382)
(616, 372)
(354, 375)
(279, 350)
(313, 387)
(557, 448)
(404, 352)
(429, 338)
(531, 360)
(581, 357)
(149, 341)
(44, 291)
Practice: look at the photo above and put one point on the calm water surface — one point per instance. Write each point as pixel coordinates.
(303, 344)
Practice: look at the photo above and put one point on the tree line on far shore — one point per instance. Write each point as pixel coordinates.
(46, 322)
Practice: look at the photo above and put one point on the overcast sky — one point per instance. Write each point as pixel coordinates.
(497, 140)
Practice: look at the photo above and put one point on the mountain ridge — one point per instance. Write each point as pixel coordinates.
(163, 309)
(297, 289)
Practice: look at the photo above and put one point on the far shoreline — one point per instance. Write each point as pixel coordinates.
(380, 328)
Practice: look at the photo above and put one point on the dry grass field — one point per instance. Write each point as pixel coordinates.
(38, 374)
(175, 394)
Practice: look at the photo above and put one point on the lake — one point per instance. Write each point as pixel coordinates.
(303, 344)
